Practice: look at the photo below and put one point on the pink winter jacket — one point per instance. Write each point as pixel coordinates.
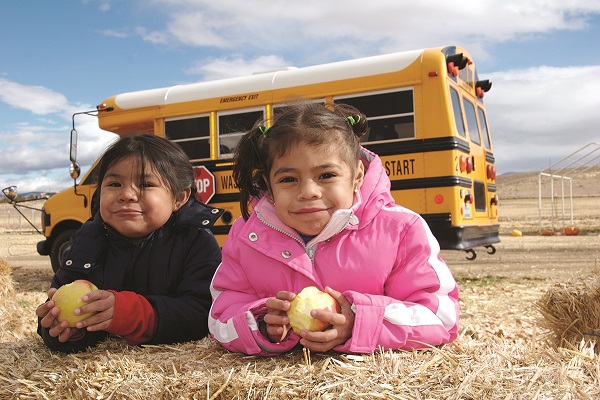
(382, 257)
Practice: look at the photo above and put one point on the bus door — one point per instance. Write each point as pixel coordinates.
(483, 200)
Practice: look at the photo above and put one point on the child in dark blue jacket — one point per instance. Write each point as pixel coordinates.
(147, 249)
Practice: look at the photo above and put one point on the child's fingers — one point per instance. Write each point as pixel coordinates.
(285, 295)
(276, 319)
(60, 330)
(274, 304)
(342, 301)
(97, 301)
(333, 318)
(49, 317)
(97, 322)
(44, 309)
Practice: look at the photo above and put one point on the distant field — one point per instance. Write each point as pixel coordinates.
(520, 209)
(524, 215)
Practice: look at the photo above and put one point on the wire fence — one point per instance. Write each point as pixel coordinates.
(12, 221)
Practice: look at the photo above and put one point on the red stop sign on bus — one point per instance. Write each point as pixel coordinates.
(205, 184)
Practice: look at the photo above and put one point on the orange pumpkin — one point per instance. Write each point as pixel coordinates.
(571, 230)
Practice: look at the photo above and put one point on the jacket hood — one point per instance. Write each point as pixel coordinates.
(375, 190)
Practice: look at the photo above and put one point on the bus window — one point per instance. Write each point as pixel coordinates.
(192, 134)
(484, 129)
(279, 109)
(472, 122)
(458, 120)
(92, 177)
(232, 126)
(391, 114)
(479, 192)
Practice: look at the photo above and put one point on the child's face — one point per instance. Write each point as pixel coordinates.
(134, 213)
(309, 184)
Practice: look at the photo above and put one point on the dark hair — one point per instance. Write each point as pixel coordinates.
(314, 124)
(150, 151)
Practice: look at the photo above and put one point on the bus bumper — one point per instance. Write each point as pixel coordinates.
(43, 248)
(465, 237)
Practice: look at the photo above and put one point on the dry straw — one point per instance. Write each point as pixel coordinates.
(571, 312)
(9, 312)
(485, 362)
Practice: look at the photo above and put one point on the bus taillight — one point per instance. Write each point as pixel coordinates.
(470, 165)
(491, 172)
(462, 161)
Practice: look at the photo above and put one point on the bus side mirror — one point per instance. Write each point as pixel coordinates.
(10, 193)
(73, 147)
(74, 170)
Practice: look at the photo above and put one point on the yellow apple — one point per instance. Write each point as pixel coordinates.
(69, 297)
(310, 298)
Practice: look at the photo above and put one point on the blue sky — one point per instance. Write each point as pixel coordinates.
(58, 58)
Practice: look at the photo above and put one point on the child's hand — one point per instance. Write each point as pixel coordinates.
(341, 330)
(48, 312)
(276, 320)
(101, 302)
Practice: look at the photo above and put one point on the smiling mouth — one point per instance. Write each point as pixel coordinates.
(128, 212)
(310, 211)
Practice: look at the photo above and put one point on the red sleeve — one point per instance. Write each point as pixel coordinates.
(134, 318)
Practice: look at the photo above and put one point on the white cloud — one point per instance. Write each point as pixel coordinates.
(542, 114)
(37, 99)
(327, 29)
(220, 68)
(35, 156)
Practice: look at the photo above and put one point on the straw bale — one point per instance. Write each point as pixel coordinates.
(496, 356)
(571, 312)
(10, 320)
(467, 369)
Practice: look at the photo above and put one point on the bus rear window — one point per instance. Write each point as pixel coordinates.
(191, 134)
(485, 133)
(458, 120)
(391, 114)
(472, 122)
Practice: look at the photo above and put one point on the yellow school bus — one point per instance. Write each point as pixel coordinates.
(427, 122)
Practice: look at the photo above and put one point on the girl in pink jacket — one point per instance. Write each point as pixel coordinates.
(317, 211)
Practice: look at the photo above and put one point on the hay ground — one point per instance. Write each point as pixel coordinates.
(506, 349)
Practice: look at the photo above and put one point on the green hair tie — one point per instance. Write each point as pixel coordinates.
(352, 120)
(263, 129)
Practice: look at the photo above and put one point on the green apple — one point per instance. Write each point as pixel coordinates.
(310, 298)
(69, 297)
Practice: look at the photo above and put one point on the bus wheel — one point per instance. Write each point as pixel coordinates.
(472, 254)
(490, 249)
(60, 248)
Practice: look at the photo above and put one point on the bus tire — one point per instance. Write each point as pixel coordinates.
(60, 248)
(491, 249)
(472, 254)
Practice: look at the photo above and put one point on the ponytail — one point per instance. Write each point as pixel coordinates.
(249, 173)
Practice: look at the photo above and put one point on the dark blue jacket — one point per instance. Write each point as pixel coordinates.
(172, 268)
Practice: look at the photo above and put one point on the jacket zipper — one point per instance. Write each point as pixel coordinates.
(310, 251)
